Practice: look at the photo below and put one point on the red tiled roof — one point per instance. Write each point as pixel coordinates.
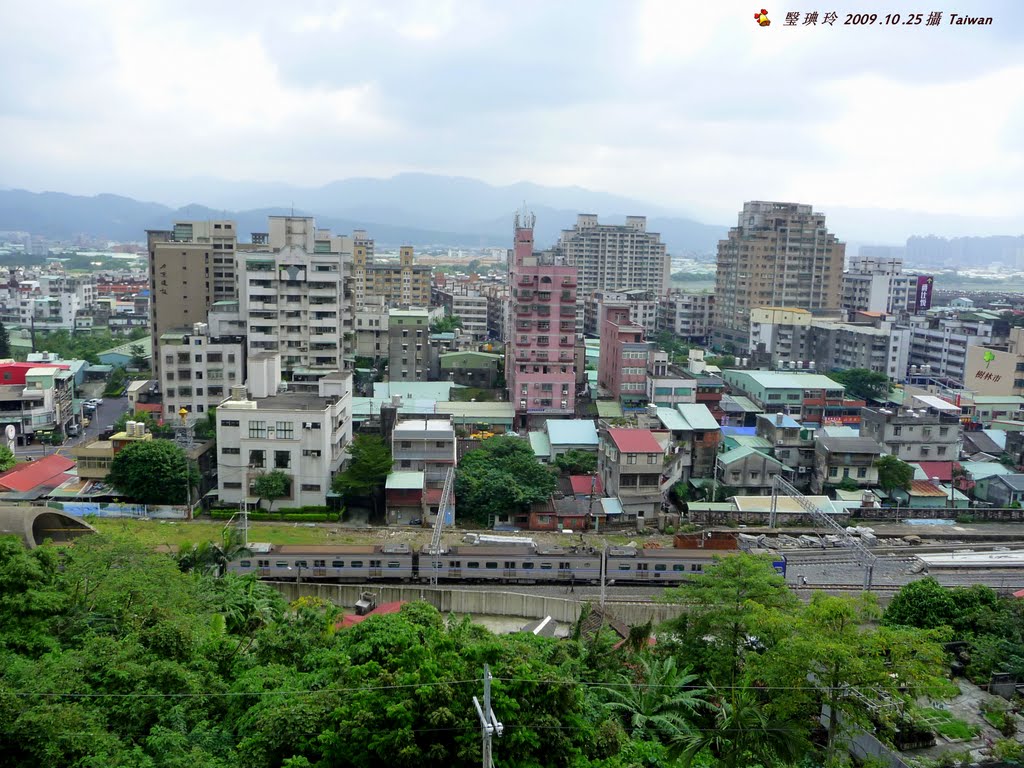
(32, 474)
(943, 470)
(583, 484)
(634, 440)
(351, 619)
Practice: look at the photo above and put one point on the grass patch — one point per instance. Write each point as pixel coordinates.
(945, 724)
(154, 533)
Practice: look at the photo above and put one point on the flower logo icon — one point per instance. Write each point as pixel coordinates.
(988, 357)
(762, 18)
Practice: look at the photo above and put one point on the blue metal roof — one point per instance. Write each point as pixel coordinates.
(572, 432)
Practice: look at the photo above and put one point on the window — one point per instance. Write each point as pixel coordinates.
(245, 564)
(285, 430)
(257, 459)
(313, 453)
(230, 451)
(862, 472)
(833, 471)
(661, 567)
(310, 487)
(473, 564)
(229, 423)
(257, 429)
(337, 563)
(941, 450)
(631, 458)
(492, 565)
(652, 458)
(233, 486)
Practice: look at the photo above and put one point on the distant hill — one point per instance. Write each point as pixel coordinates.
(417, 209)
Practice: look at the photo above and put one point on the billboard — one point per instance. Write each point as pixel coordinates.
(923, 294)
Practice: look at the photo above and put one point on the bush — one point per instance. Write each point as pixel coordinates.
(288, 514)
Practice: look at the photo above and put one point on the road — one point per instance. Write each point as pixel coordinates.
(109, 412)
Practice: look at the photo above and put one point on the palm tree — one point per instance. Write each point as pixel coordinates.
(742, 733)
(658, 702)
(208, 557)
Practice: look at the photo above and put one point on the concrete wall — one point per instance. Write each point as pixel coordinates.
(489, 603)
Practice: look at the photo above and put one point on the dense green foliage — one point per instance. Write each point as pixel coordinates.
(367, 470)
(7, 458)
(501, 476)
(5, 342)
(153, 472)
(577, 462)
(83, 345)
(165, 431)
(893, 474)
(677, 349)
(863, 383)
(992, 627)
(447, 324)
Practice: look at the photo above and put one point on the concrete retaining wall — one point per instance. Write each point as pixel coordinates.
(465, 601)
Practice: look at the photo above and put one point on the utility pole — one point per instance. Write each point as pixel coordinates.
(183, 437)
(489, 725)
(604, 571)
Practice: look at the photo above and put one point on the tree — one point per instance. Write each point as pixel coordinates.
(676, 349)
(210, 557)
(657, 700)
(893, 474)
(368, 470)
(139, 361)
(447, 324)
(146, 417)
(271, 486)
(117, 382)
(577, 462)
(7, 458)
(5, 342)
(863, 384)
(502, 476)
(848, 484)
(153, 472)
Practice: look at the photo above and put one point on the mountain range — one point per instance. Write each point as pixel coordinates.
(423, 210)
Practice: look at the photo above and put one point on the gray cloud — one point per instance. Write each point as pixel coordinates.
(688, 105)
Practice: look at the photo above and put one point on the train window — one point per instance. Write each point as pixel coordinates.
(394, 564)
(263, 563)
(545, 566)
(586, 565)
(565, 566)
(356, 564)
(678, 567)
(492, 565)
(696, 567)
(623, 566)
(337, 563)
(660, 567)
(472, 565)
(641, 566)
(245, 564)
(454, 563)
(281, 564)
(301, 564)
(510, 564)
(319, 563)
(374, 563)
(526, 566)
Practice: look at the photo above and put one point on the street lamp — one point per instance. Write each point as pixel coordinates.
(183, 414)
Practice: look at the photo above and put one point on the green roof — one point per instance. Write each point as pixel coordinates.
(126, 349)
(404, 481)
(738, 454)
(749, 441)
(609, 409)
(672, 419)
(450, 359)
(698, 417)
(540, 444)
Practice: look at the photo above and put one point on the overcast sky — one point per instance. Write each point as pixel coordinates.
(687, 104)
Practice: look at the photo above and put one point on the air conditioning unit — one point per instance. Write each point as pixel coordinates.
(801, 470)
(307, 425)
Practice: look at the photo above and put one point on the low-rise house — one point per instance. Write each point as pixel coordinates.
(630, 463)
(921, 434)
(845, 458)
(471, 369)
(792, 444)
(750, 471)
(1001, 490)
(571, 435)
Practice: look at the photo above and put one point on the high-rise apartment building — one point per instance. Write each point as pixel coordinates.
(296, 293)
(409, 352)
(878, 284)
(622, 366)
(396, 283)
(198, 368)
(190, 267)
(687, 315)
(615, 257)
(541, 333)
(779, 255)
(642, 306)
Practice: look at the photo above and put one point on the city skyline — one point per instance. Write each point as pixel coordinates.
(699, 108)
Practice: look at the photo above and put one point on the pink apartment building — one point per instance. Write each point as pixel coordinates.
(540, 366)
(622, 365)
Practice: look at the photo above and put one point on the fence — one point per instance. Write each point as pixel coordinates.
(136, 511)
(478, 602)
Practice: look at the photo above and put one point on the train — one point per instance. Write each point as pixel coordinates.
(513, 563)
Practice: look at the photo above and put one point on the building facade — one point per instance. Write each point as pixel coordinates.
(630, 463)
(642, 306)
(878, 284)
(396, 283)
(622, 365)
(296, 296)
(410, 354)
(914, 434)
(687, 315)
(198, 369)
(540, 362)
(779, 255)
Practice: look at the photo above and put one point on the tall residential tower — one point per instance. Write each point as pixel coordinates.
(780, 255)
(540, 365)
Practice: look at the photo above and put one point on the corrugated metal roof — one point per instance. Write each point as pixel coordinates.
(611, 506)
(634, 440)
(609, 409)
(572, 432)
(925, 488)
(787, 421)
(782, 380)
(979, 470)
(670, 418)
(583, 485)
(25, 477)
(738, 454)
(540, 444)
(698, 417)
